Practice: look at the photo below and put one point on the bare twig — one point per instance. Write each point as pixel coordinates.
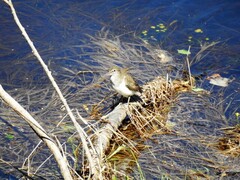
(188, 65)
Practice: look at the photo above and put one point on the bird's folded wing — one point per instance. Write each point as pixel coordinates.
(131, 84)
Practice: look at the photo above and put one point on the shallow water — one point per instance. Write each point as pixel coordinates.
(59, 27)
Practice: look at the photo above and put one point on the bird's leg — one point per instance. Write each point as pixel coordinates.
(144, 102)
(128, 100)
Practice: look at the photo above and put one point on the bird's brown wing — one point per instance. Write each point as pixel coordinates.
(132, 84)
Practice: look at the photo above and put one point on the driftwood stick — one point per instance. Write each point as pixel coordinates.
(104, 135)
(60, 158)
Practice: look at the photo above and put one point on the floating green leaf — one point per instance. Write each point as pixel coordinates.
(183, 51)
(164, 30)
(198, 31)
(161, 26)
(9, 136)
(237, 114)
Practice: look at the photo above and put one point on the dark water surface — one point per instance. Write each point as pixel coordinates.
(56, 27)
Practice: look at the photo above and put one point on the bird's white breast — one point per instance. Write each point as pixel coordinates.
(119, 84)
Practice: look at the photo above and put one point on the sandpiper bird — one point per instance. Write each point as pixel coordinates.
(123, 82)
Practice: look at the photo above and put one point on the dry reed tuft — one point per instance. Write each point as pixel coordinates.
(159, 95)
(229, 144)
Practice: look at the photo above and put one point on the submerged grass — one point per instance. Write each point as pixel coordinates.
(167, 139)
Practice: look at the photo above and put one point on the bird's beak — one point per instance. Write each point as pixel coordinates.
(108, 74)
(105, 76)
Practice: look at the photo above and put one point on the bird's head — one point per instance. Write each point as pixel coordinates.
(114, 71)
